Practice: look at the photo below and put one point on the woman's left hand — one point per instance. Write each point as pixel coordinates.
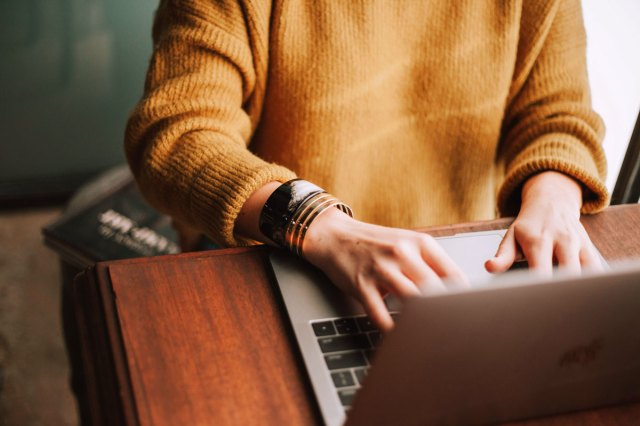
(547, 230)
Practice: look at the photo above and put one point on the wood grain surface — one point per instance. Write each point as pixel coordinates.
(201, 339)
(206, 342)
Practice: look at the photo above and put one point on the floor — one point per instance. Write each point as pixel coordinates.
(33, 365)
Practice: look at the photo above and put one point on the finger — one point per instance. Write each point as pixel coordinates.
(440, 262)
(589, 258)
(539, 254)
(399, 284)
(375, 308)
(415, 268)
(568, 256)
(505, 255)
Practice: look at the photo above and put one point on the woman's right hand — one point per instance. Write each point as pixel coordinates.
(368, 261)
(364, 260)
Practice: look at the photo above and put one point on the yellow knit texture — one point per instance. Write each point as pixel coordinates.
(414, 113)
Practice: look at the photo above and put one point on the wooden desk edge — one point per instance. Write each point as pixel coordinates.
(110, 393)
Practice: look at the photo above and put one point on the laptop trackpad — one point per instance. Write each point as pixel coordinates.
(469, 251)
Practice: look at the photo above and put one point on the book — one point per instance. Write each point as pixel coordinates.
(109, 219)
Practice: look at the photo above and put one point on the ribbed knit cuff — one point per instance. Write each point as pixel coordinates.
(221, 177)
(562, 153)
(217, 205)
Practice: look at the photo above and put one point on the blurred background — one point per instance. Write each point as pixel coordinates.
(70, 72)
(613, 60)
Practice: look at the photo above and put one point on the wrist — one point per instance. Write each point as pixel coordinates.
(323, 233)
(246, 223)
(291, 209)
(552, 185)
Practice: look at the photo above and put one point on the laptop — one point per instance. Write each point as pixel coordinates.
(513, 346)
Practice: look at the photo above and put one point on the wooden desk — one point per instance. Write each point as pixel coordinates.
(202, 338)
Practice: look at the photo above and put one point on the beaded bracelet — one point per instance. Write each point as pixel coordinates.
(290, 210)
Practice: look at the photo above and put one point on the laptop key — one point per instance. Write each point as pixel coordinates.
(375, 338)
(346, 396)
(369, 355)
(366, 324)
(342, 379)
(345, 360)
(324, 328)
(346, 326)
(344, 343)
(361, 373)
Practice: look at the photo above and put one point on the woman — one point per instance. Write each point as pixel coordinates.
(411, 113)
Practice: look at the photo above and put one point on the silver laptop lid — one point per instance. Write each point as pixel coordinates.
(523, 347)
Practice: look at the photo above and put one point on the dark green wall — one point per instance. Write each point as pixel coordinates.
(70, 71)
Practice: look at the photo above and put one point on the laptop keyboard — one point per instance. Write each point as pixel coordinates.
(347, 345)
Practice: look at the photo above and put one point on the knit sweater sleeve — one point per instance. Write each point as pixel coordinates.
(186, 141)
(549, 123)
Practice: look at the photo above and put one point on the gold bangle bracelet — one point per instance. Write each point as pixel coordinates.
(299, 216)
(310, 214)
(312, 217)
(309, 217)
(299, 221)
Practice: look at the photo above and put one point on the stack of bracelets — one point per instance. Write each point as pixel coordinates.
(290, 210)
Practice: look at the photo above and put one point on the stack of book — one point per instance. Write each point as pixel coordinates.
(109, 219)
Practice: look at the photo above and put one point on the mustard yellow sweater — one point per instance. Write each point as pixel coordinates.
(413, 112)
